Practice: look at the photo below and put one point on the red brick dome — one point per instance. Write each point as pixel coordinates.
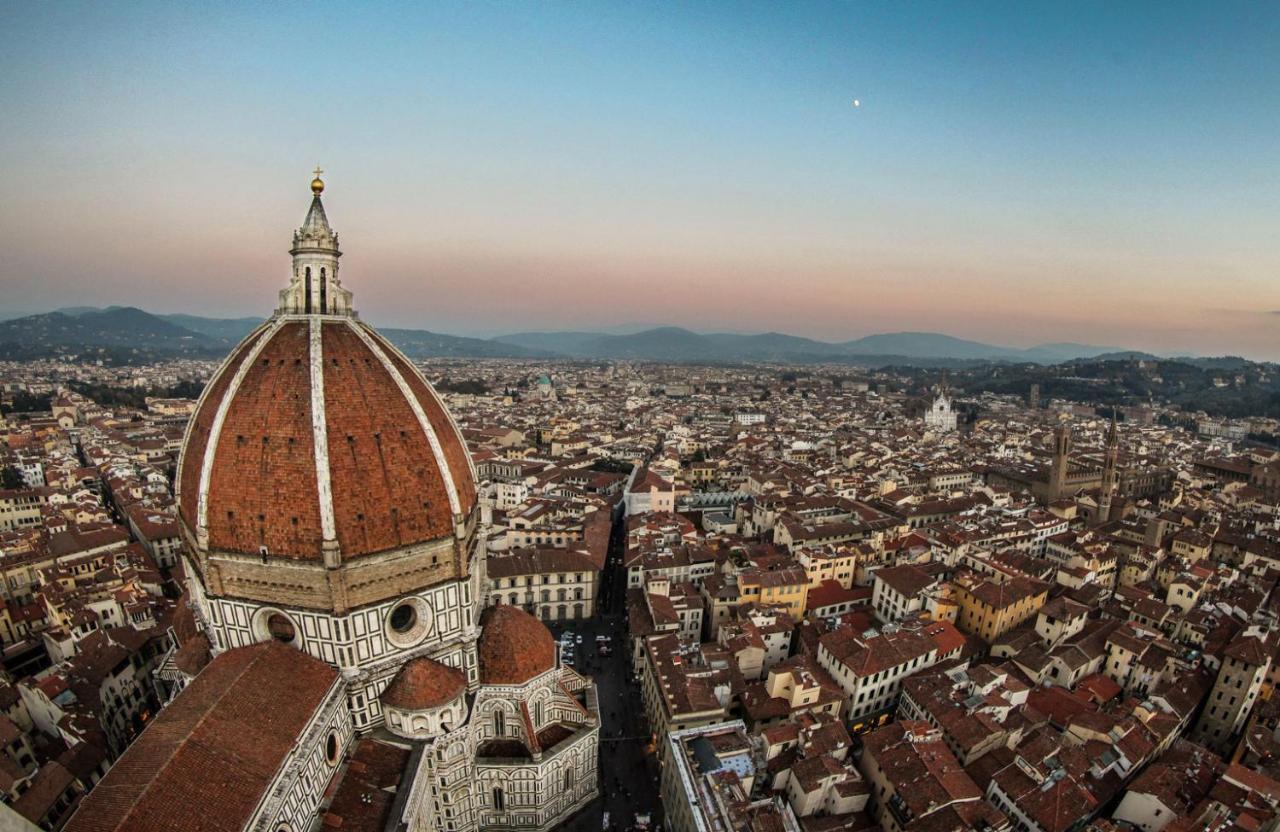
(423, 684)
(317, 431)
(514, 646)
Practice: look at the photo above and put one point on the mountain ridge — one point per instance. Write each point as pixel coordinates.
(130, 330)
(127, 326)
(677, 343)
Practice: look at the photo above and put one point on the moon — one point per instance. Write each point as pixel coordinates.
(857, 103)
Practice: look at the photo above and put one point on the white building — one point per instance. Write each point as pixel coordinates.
(939, 417)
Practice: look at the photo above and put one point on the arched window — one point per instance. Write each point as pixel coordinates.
(499, 800)
(499, 724)
(537, 714)
(324, 287)
(568, 778)
(308, 290)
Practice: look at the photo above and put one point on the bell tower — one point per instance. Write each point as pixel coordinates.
(1109, 473)
(314, 288)
(1061, 461)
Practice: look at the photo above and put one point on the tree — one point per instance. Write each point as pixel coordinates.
(11, 478)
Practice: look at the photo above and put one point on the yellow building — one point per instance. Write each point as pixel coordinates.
(702, 473)
(1191, 545)
(788, 587)
(829, 564)
(988, 609)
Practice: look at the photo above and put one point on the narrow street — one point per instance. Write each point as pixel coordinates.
(628, 771)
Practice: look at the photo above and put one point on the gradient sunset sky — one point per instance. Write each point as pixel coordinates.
(1017, 173)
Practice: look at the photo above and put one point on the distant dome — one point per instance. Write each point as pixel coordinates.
(514, 646)
(423, 684)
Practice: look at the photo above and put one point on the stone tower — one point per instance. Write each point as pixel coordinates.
(1061, 462)
(1109, 473)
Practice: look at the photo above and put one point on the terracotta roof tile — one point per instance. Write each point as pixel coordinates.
(215, 748)
(423, 684)
(388, 489)
(514, 646)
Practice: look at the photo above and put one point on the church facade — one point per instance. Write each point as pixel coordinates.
(939, 418)
(335, 600)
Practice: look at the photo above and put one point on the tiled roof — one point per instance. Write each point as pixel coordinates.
(204, 763)
(423, 684)
(389, 480)
(514, 646)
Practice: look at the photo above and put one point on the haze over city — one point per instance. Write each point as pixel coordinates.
(1050, 172)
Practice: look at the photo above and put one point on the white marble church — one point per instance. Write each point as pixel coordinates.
(336, 666)
(940, 418)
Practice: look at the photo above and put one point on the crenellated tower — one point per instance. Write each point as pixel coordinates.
(1061, 461)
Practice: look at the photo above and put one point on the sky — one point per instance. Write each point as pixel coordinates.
(1018, 173)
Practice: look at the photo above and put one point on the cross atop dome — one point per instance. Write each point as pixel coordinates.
(314, 288)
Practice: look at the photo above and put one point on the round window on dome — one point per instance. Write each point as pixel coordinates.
(331, 748)
(280, 628)
(270, 624)
(408, 622)
(403, 617)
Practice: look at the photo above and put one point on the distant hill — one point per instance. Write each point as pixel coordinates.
(227, 329)
(118, 326)
(77, 311)
(1224, 362)
(676, 344)
(1127, 379)
(127, 330)
(1052, 353)
(131, 328)
(669, 343)
(1118, 355)
(928, 345)
(577, 344)
(419, 343)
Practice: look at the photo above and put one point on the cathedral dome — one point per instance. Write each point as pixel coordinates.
(514, 647)
(318, 443)
(318, 431)
(423, 684)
